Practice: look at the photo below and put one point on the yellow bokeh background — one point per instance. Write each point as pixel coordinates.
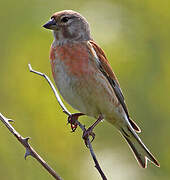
(135, 36)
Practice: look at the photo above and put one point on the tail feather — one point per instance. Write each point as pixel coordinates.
(141, 159)
(135, 126)
(140, 151)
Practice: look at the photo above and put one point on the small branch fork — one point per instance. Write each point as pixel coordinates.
(77, 122)
(30, 151)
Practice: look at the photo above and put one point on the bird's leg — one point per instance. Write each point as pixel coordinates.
(89, 131)
(72, 120)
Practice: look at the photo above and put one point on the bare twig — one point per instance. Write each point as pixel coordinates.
(68, 113)
(29, 150)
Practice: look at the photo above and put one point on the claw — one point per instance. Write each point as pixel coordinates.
(72, 120)
(73, 127)
(88, 133)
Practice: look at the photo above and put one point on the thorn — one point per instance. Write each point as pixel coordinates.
(27, 153)
(11, 120)
(26, 140)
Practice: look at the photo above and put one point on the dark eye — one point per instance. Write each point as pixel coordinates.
(64, 19)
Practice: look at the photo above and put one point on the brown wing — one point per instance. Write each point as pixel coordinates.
(106, 69)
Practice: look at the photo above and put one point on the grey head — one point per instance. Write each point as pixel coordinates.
(68, 26)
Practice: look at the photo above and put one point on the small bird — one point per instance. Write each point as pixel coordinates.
(86, 81)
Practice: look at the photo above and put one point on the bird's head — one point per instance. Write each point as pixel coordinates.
(69, 25)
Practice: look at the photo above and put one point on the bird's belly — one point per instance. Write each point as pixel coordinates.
(91, 94)
(74, 90)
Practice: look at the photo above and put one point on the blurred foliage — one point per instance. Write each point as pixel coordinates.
(135, 36)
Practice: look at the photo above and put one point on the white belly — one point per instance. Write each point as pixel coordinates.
(73, 91)
(90, 95)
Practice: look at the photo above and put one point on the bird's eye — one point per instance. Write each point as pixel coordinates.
(64, 19)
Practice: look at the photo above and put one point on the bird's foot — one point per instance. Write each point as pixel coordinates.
(72, 120)
(87, 133)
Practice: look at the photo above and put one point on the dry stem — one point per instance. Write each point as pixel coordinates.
(29, 150)
(68, 113)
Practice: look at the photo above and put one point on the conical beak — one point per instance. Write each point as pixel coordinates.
(50, 24)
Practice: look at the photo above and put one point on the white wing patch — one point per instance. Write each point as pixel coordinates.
(94, 53)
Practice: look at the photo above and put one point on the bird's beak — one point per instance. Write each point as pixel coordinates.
(50, 24)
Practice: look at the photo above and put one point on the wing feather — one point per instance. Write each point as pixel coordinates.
(105, 68)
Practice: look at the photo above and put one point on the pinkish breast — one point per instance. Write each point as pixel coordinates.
(74, 56)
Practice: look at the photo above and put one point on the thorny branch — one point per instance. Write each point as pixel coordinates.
(68, 113)
(29, 150)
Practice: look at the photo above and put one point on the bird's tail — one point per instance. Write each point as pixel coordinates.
(140, 151)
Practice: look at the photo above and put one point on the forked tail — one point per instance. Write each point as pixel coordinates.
(140, 151)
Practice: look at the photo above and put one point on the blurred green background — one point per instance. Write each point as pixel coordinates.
(136, 38)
